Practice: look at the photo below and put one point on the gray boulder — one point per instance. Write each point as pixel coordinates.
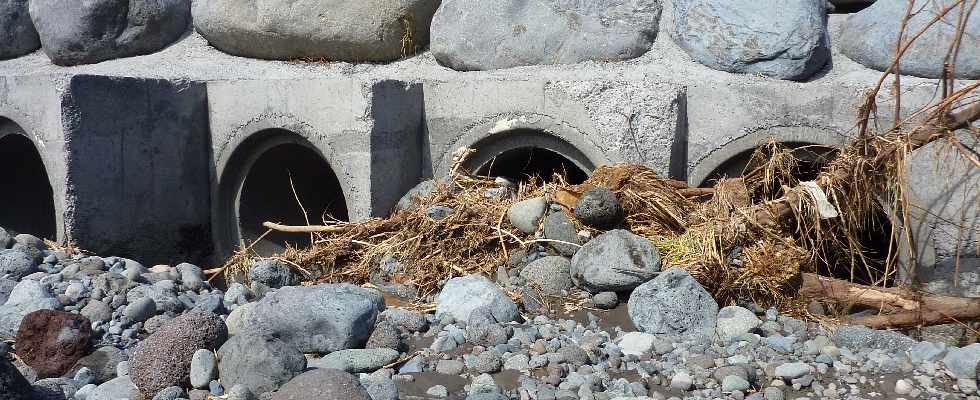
(734, 321)
(323, 384)
(964, 362)
(86, 32)
(55, 389)
(673, 303)
(460, 297)
(28, 296)
(102, 363)
(357, 31)
(204, 368)
(558, 227)
(318, 319)
(423, 189)
(525, 215)
(379, 387)
(551, 275)
(856, 337)
(616, 261)
(260, 363)
(599, 207)
(31, 245)
(16, 264)
(116, 389)
(878, 27)
(784, 39)
(356, 360)
(271, 273)
(13, 385)
(6, 286)
(472, 35)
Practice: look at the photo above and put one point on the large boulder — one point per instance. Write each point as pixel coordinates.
(337, 30)
(13, 385)
(317, 319)
(164, 358)
(15, 264)
(460, 297)
(616, 261)
(91, 31)
(262, 363)
(673, 303)
(550, 274)
(785, 39)
(28, 296)
(472, 35)
(115, 389)
(51, 341)
(878, 29)
(323, 384)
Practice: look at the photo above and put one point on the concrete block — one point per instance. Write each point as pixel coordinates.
(367, 131)
(590, 122)
(126, 158)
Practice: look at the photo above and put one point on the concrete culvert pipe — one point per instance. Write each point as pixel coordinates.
(520, 155)
(26, 197)
(282, 179)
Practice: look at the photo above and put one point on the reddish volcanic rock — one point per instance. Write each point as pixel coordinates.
(51, 341)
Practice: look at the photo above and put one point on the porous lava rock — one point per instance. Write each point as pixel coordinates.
(673, 303)
(469, 35)
(164, 358)
(336, 30)
(784, 39)
(52, 341)
(91, 31)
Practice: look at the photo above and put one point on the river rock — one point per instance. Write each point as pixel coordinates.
(51, 341)
(734, 321)
(525, 215)
(784, 39)
(964, 362)
(356, 360)
(204, 368)
(552, 275)
(271, 273)
(28, 296)
(164, 358)
(857, 337)
(878, 28)
(337, 30)
(102, 363)
(557, 226)
(86, 32)
(15, 264)
(115, 389)
(616, 261)
(323, 384)
(13, 385)
(673, 303)
(599, 207)
(260, 363)
(460, 297)
(318, 319)
(472, 35)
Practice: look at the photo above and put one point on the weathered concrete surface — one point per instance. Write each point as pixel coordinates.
(366, 130)
(103, 141)
(589, 122)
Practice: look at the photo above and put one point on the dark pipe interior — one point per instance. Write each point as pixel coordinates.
(26, 198)
(267, 196)
(520, 164)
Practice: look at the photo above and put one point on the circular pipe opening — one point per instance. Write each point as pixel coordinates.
(283, 179)
(813, 158)
(523, 154)
(522, 164)
(25, 192)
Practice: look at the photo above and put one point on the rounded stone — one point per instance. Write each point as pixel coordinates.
(323, 384)
(16, 264)
(525, 215)
(164, 358)
(204, 368)
(140, 310)
(261, 363)
(552, 275)
(616, 261)
(605, 300)
(734, 321)
(598, 207)
(272, 273)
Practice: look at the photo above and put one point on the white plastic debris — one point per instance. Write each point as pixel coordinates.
(824, 207)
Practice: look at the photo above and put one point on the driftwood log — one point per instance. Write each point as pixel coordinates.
(908, 308)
